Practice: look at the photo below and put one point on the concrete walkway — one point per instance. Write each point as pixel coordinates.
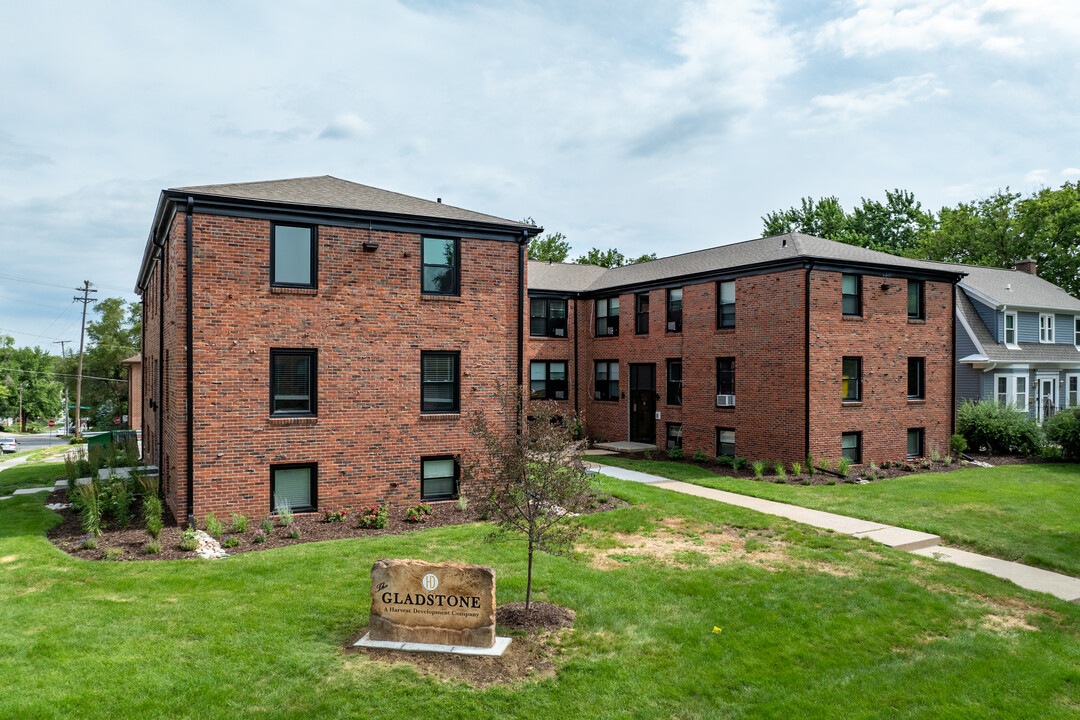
(13, 462)
(920, 543)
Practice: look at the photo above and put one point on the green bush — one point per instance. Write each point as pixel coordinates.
(796, 468)
(676, 453)
(89, 508)
(725, 461)
(418, 513)
(152, 547)
(114, 553)
(957, 444)
(998, 428)
(116, 501)
(284, 512)
(778, 470)
(213, 526)
(239, 522)
(759, 469)
(1064, 429)
(230, 541)
(738, 463)
(375, 517)
(152, 515)
(700, 456)
(842, 466)
(188, 541)
(810, 469)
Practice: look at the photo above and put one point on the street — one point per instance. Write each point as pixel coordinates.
(38, 441)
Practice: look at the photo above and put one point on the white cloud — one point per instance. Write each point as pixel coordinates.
(847, 109)
(1070, 172)
(1036, 177)
(346, 126)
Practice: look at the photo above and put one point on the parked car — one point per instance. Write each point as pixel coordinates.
(9, 445)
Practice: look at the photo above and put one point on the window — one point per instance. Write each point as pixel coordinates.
(674, 310)
(438, 478)
(725, 376)
(1010, 329)
(915, 438)
(294, 484)
(1011, 390)
(641, 314)
(1076, 332)
(851, 446)
(851, 386)
(725, 304)
(547, 318)
(725, 442)
(547, 380)
(852, 295)
(674, 382)
(607, 380)
(1046, 328)
(607, 316)
(439, 382)
(440, 267)
(292, 256)
(1072, 391)
(916, 381)
(293, 382)
(915, 300)
(674, 435)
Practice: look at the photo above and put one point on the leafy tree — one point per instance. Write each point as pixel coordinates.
(983, 232)
(825, 218)
(538, 480)
(604, 258)
(897, 226)
(552, 247)
(30, 369)
(1050, 221)
(642, 258)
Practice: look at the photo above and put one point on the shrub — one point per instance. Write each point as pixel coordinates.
(89, 508)
(577, 432)
(116, 501)
(292, 531)
(947, 460)
(759, 469)
(188, 540)
(725, 461)
(259, 536)
(335, 515)
(824, 464)
(648, 454)
(1064, 429)
(935, 456)
(700, 456)
(213, 526)
(810, 470)
(957, 444)
(925, 464)
(778, 470)
(462, 503)
(796, 468)
(999, 428)
(152, 516)
(842, 466)
(418, 513)
(267, 524)
(89, 542)
(239, 522)
(375, 517)
(738, 463)
(152, 547)
(676, 453)
(284, 512)
(114, 553)
(230, 541)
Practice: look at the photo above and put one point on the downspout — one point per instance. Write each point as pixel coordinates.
(577, 388)
(522, 245)
(952, 389)
(190, 332)
(806, 361)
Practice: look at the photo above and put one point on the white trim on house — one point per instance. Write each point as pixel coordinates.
(1015, 344)
(1046, 328)
(1011, 393)
(1072, 390)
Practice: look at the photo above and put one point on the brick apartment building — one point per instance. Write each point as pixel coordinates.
(771, 348)
(320, 341)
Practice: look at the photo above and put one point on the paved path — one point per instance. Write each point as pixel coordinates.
(920, 543)
(13, 462)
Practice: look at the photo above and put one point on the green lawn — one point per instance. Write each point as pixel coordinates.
(1028, 513)
(830, 627)
(30, 474)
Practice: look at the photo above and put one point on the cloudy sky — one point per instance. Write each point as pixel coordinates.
(646, 125)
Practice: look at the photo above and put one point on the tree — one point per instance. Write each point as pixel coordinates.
(983, 232)
(897, 226)
(537, 476)
(1050, 221)
(825, 218)
(552, 247)
(604, 258)
(30, 369)
(642, 258)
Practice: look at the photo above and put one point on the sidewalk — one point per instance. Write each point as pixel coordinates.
(920, 543)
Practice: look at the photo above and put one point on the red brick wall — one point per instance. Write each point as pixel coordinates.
(884, 338)
(369, 322)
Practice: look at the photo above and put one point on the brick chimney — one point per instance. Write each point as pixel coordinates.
(1029, 266)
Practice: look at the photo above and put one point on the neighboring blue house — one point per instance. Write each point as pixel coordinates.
(1017, 340)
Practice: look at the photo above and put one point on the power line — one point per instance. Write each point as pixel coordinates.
(56, 374)
(33, 282)
(20, 332)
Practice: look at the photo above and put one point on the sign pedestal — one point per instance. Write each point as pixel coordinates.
(501, 643)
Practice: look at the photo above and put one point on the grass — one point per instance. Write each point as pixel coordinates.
(1026, 513)
(30, 474)
(839, 628)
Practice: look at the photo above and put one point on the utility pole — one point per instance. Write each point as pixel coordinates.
(67, 407)
(85, 300)
(22, 421)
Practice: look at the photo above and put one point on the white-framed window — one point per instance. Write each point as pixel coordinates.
(1011, 390)
(1076, 332)
(1072, 390)
(1010, 330)
(1046, 328)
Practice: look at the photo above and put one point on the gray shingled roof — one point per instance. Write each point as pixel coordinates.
(332, 192)
(751, 252)
(562, 277)
(996, 352)
(1014, 288)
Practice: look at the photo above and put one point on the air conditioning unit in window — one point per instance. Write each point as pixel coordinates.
(560, 332)
(559, 395)
(597, 395)
(611, 331)
(725, 401)
(671, 326)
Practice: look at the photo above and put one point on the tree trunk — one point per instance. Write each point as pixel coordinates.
(528, 583)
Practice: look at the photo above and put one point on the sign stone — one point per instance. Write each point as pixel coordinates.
(437, 603)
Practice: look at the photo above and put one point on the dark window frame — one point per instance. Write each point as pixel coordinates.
(313, 381)
(857, 295)
(606, 392)
(720, 305)
(456, 291)
(548, 390)
(456, 382)
(672, 315)
(640, 315)
(674, 387)
(314, 229)
(667, 435)
(550, 324)
(730, 376)
(922, 443)
(456, 476)
(856, 379)
(920, 313)
(720, 445)
(919, 375)
(607, 317)
(857, 460)
(314, 492)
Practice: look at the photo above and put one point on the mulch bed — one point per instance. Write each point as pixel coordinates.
(536, 640)
(68, 535)
(857, 473)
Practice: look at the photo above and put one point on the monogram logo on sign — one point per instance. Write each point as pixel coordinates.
(430, 582)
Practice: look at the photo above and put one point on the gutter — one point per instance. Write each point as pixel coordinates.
(806, 361)
(189, 369)
(952, 379)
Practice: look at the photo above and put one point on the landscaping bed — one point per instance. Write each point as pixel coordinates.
(131, 541)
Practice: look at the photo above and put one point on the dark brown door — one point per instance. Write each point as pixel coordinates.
(643, 403)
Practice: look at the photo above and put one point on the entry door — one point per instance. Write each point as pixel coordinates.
(643, 403)
(1047, 404)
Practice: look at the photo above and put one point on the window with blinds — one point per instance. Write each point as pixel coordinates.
(438, 478)
(292, 382)
(294, 486)
(439, 382)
